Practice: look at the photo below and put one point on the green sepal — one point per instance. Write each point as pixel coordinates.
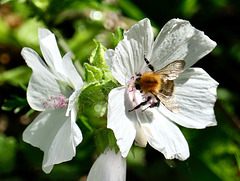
(94, 97)
(105, 137)
(91, 94)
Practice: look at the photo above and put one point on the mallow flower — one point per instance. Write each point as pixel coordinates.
(109, 166)
(53, 89)
(134, 114)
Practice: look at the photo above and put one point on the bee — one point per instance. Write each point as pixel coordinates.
(159, 84)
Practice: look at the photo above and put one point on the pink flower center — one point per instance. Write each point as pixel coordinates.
(59, 101)
(132, 90)
(136, 96)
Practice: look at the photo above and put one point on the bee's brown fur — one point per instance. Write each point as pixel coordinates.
(160, 84)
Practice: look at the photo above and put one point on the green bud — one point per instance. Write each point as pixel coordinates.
(97, 56)
(92, 73)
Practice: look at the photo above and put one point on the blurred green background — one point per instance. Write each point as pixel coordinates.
(215, 151)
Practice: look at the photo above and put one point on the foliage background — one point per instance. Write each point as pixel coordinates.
(215, 151)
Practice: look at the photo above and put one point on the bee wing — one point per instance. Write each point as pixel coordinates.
(169, 102)
(172, 70)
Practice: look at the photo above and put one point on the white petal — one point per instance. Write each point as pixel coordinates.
(196, 95)
(179, 40)
(42, 84)
(126, 61)
(128, 57)
(50, 51)
(143, 34)
(72, 101)
(71, 72)
(74, 78)
(43, 33)
(140, 139)
(120, 120)
(77, 134)
(52, 132)
(109, 166)
(163, 135)
(109, 57)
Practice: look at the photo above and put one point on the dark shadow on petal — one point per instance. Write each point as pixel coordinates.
(184, 77)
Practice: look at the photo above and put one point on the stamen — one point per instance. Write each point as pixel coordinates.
(132, 91)
(52, 103)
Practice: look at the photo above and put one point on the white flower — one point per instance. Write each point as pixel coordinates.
(53, 89)
(195, 90)
(109, 166)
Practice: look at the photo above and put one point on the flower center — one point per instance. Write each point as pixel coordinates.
(138, 97)
(131, 90)
(59, 101)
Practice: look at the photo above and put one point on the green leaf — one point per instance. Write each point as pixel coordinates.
(107, 86)
(84, 120)
(16, 76)
(131, 10)
(105, 137)
(8, 149)
(97, 70)
(136, 156)
(92, 73)
(42, 4)
(29, 28)
(118, 36)
(224, 94)
(112, 141)
(94, 96)
(238, 160)
(15, 103)
(91, 95)
(101, 140)
(5, 35)
(189, 7)
(221, 159)
(97, 56)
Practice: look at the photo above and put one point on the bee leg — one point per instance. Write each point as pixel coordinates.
(148, 64)
(156, 104)
(141, 104)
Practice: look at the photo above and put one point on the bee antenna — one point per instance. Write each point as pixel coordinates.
(148, 64)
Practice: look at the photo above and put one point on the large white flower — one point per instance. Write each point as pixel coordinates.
(109, 166)
(195, 90)
(53, 89)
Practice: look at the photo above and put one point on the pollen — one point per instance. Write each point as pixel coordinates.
(52, 103)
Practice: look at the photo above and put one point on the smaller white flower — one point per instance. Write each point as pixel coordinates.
(109, 166)
(194, 90)
(53, 89)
